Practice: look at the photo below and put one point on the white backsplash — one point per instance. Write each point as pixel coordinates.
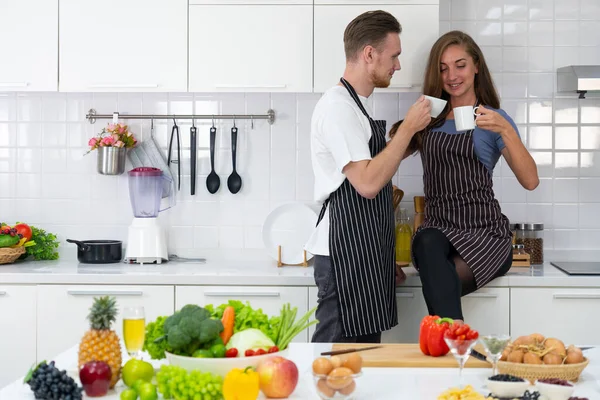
(46, 180)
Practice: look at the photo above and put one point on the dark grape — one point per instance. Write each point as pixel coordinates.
(49, 383)
(555, 381)
(506, 378)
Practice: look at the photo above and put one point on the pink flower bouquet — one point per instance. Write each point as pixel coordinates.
(114, 135)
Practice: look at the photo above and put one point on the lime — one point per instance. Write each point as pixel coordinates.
(136, 369)
(218, 350)
(129, 394)
(147, 391)
(218, 340)
(201, 353)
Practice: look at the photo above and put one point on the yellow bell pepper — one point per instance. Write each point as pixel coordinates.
(241, 384)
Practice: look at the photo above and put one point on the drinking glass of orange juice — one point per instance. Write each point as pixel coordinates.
(134, 330)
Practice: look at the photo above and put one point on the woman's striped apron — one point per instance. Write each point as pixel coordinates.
(361, 247)
(460, 202)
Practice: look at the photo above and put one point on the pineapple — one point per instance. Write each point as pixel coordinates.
(101, 343)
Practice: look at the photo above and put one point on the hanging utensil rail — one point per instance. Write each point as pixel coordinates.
(92, 116)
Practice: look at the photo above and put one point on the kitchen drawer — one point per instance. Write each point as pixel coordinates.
(269, 298)
(411, 310)
(62, 311)
(538, 309)
(487, 310)
(17, 336)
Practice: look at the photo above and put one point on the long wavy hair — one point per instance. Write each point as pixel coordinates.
(485, 90)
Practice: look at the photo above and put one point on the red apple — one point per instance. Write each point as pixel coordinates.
(278, 377)
(95, 378)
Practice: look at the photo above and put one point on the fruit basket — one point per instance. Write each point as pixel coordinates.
(9, 255)
(532, 372)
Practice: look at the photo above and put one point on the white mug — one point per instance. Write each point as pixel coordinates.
(464, 118)
(437, 105)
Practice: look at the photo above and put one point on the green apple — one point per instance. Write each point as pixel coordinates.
(136, 385)
(136, 369)
(147, 391)
(129, 394)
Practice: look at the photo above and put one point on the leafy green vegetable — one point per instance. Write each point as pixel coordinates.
(289, 328)
(154, 331)
(246, 317)
(45, 245)
(189, 328)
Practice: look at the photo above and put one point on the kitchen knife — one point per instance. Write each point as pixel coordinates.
(479, 356)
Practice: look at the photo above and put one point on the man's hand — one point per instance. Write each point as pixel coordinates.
(418, 116)
(400, 275)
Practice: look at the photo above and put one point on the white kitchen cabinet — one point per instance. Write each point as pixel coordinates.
(123, 45)
(63, 309)
(411, 310)
(420, 29)
(17, 336)
(250, 48)
(245, 2)
(268, 298)
(29, 45)
(540, 310)
(487, 310)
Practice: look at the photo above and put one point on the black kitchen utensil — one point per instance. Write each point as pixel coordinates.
(234, 182)
(193, 134)
(212, 180)
(170, 160)
(98, 251)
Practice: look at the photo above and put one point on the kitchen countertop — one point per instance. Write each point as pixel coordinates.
(382, 383)
(238, 268)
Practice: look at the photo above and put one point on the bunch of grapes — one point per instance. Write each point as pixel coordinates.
(9, 231)
(177, 383)
(49, 383)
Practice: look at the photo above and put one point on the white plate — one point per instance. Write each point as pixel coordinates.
(290, 227)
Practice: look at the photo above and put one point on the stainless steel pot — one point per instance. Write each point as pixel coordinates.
(111, 160)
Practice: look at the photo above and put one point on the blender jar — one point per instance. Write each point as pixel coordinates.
(146, 189)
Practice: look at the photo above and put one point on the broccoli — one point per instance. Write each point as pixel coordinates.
(189, 328)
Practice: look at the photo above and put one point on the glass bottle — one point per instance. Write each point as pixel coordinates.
(403, 236)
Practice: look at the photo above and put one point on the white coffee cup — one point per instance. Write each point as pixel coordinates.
(464, 118)
(437, 105)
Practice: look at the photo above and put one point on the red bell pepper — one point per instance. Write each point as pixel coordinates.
(431, 337)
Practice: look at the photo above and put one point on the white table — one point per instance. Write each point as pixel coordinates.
(383, 383)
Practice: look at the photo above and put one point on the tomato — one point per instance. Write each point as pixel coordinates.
(472, 335)
(249, 353)
(273, 349)
(260, 352)
(24, 230)
(232, 352)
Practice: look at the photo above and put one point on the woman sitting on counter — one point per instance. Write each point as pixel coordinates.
(464, 241)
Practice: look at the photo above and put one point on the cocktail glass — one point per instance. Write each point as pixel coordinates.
(461, 350)
(494, 346)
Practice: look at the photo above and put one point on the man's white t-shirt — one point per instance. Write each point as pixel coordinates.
(340, 134)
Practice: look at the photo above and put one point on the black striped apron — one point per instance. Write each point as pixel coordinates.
(459, 201)
(361, 247)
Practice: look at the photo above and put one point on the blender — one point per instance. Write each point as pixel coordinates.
(147, 242)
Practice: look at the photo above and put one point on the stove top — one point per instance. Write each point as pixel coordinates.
(578, 267)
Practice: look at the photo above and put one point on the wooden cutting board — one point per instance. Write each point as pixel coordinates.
(408, 355)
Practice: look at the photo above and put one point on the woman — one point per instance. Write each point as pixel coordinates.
(464, 241)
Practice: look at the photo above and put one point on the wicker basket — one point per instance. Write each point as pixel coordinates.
(10, 254)
(531, 372)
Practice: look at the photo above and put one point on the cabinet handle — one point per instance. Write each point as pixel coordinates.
(575, 296)
(14, 84)
(2, 293)
(219, 86)
(405, 295)
(242, 294)
(124, 86)
(483, 295)
(105, 292)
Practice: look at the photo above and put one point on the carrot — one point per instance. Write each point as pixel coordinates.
(228, 321)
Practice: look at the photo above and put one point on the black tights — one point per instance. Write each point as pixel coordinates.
(445, 276)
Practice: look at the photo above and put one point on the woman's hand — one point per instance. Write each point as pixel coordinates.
(491, 120)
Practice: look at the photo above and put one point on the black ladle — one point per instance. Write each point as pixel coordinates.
(234, 182)
(212, 180)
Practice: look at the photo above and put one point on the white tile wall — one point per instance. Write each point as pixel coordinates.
(45, 178)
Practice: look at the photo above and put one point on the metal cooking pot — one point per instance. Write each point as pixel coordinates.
(98, 251)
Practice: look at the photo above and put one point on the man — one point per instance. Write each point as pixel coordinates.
(353, 242)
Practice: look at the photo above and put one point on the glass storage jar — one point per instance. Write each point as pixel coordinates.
(531, 236)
